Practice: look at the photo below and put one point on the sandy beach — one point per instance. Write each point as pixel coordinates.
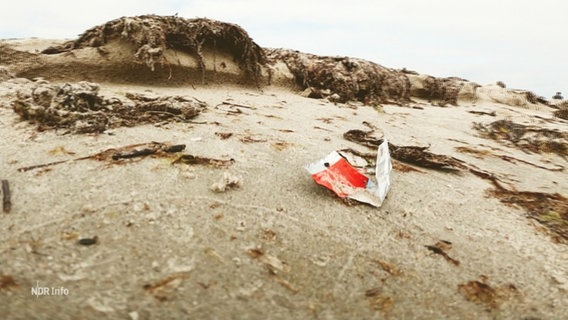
(446, 244)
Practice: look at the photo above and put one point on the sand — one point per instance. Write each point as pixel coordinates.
(278, 246)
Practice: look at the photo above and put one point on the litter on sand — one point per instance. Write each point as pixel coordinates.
(336, 173)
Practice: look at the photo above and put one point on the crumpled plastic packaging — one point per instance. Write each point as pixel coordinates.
(337, 174)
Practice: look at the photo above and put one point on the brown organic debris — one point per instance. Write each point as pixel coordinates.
(409, 154)
(381, 302)
(6, 197)
(549, 209)
(373, 292)
(442, 91)
(280, 145)
(7, 282)
(224, 135)
(420, 157)
(152, 35)
(88, 241)
(479, 291)
(196, 160)
(343, 79)
(440, 247)
(79, 108)
(118, 155)
(249, 139)
(562, 111)
(527, 138)
(480, 154)
(388, 267)
(481, 113)
(274, 266)
(164, 289)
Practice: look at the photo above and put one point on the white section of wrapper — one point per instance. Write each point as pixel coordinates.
(383, 170)
(319, 165)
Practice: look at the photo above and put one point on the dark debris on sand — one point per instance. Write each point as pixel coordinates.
(153, 34)
(79, 108)
(526, 138)
(343, 79)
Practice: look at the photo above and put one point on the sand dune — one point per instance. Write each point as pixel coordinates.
(231, 225)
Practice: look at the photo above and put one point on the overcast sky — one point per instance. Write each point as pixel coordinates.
(522, 43)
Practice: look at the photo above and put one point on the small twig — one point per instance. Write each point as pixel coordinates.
(6, 202)
(37, 166)
(200, 101)
(237, 105)
(493, 114)
(438, 250)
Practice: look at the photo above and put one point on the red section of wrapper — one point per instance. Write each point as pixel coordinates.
(340, 177)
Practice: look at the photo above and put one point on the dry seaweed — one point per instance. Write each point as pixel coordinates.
(440, 247)
(152, 35)
(388, 267)
(562, 111)
(80, 109)
(420, 157)
(483, 113)
(196, 160)
(479, 291)
(408, 154)
(343, 79)
(549, 209)
(7, 282)
(526, 138)
(249, 139)
(480, 154)
(224, 135)
(163, 289)
(443, 90)
(117, 155)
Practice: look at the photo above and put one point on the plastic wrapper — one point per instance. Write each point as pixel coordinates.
(336, 173)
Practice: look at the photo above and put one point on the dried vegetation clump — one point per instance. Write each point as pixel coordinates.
(80, 109)
(562, 111)
(443, 90)
(549, 209)
(5, 74)
(152, 35)
(526, 138)
(343, 79)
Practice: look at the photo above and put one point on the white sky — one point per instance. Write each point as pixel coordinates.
(522, 43)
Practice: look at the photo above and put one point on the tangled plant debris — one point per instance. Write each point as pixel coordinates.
(526, 138)
(442, 91)
(551, 210)
(80, 108)
(409, 154)
(118, 155)
(343, 79)
(479, 291)
(153, 35)
(562, 111)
